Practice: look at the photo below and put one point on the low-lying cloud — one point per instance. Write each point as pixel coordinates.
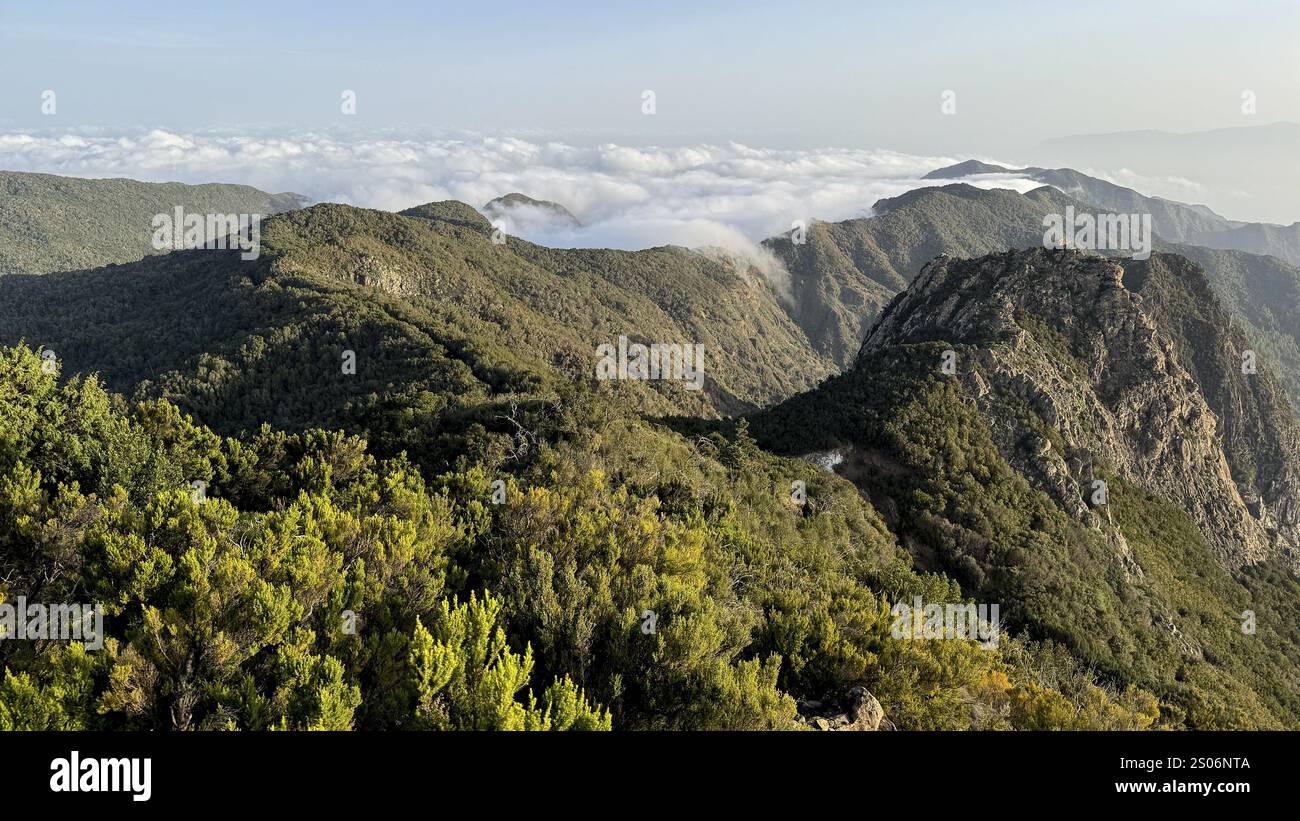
(726, 196)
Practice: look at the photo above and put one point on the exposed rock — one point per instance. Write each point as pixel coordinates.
(827, 460)
(856, 710)
(1071, 369)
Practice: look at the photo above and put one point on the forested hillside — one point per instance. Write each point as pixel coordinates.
(418, 508)
(432, 308)
(52, 223)
(1094, 458)
(623, 577)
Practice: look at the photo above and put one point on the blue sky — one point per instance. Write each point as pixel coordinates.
(775, 74)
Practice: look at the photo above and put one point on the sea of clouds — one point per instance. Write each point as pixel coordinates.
(724, 195)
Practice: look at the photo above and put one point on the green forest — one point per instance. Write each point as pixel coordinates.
(228, 612)
(466, 530)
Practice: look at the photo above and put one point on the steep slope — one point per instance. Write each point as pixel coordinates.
(1256, 426)
(1169, 407)
(50, 223)
(848, 271)
(1263, 295)
(438, 316)
(560, 304)
(1068, 370)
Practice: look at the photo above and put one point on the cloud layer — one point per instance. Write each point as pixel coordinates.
(626, 197)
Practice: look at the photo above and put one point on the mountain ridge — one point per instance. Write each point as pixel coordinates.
(1193, 224)
(1020, 418)
(54, 223)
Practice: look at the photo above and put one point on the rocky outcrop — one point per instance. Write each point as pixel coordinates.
(1257, 428)
(856, 710)
(1073, 371)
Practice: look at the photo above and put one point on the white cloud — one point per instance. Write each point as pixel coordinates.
(726, 195)
(756, 191)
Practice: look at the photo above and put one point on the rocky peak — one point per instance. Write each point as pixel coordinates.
(1118, 385)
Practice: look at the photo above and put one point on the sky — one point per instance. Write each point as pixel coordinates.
(781, 75)
(762, 113)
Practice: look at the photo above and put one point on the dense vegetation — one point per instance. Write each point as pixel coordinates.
(921, 450)
(229, 611)
(51, 223)
(518, 547)
(429, 304)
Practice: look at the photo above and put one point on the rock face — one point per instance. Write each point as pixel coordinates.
(1257, 426)
(1131, 365)
(846, 273)
(856, 710)
(1080, 440)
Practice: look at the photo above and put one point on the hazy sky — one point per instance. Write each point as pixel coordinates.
(781, 75)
